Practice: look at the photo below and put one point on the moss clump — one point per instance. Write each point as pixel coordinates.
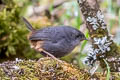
(44, 69)
(52, 70)
(13, 35)
(21, 70)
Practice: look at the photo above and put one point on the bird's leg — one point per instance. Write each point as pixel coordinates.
(37, 47)
(53, 57)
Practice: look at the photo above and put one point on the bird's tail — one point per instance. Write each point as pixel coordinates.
(29, 26)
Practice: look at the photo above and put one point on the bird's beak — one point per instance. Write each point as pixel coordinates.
(84, 39)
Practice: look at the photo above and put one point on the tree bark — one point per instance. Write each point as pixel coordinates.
(103, 46)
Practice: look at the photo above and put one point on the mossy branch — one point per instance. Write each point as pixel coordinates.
(103, 46)
(45, 69)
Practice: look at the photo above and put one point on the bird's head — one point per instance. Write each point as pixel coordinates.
(77, 36)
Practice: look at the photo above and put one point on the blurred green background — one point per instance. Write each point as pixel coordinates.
(45, 13)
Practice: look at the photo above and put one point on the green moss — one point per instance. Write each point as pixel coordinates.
(25, 70)
(55, 70)
(46, 69)
(13, 34)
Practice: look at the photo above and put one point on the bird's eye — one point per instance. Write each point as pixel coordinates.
(77, 36)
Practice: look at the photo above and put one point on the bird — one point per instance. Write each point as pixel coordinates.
(54, 41)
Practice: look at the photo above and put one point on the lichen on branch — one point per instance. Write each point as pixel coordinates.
(103, 46)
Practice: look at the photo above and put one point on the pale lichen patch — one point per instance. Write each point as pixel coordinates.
(93, 22)
(103, 46)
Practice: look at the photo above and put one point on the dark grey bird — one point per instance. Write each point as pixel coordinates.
(56, 40)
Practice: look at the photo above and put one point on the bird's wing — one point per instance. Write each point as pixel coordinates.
(39, 35)
(43, 34)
